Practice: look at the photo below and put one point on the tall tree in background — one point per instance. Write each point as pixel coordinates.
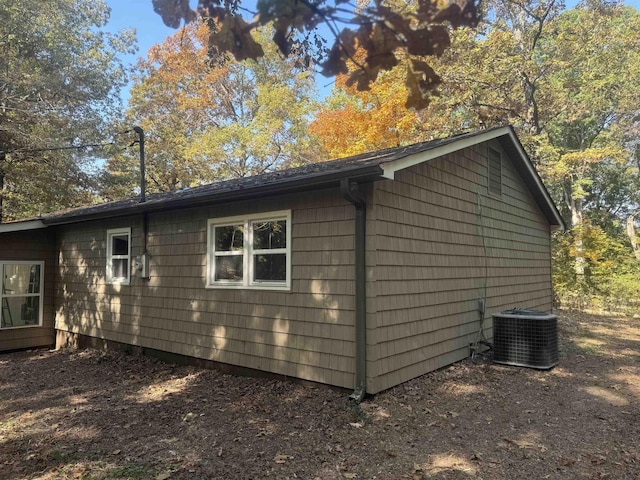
(59, 81)
(382, 33)
(352, 121)
(209, 117)
(567, 81)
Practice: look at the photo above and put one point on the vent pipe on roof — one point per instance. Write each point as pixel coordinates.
(143, 185)
(351, 192)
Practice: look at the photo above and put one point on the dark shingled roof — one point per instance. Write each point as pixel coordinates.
(364, 167)
(360, 168)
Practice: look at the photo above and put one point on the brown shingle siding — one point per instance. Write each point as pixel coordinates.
(307, 331)
(33, 245)
(439, 235)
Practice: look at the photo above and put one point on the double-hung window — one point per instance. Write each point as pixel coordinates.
(251, 251)
(21, 294)
(119, 255)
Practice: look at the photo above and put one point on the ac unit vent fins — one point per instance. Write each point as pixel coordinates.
(525, 338)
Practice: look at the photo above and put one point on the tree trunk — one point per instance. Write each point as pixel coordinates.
(577, 220)
(575, 206)
(631, 233)
(2, 160)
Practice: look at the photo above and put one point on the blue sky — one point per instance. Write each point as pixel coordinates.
(150, 30)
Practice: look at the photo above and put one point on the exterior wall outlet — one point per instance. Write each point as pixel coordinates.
(142, 265)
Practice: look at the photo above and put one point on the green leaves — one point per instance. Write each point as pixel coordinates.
(60, 85)
(209, 116)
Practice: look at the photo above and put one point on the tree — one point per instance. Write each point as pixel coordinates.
(567, 82)
(353, 121)
(59, 81)
(209, 117)
(384, 32)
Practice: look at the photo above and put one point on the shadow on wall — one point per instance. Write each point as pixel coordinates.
(305, 333)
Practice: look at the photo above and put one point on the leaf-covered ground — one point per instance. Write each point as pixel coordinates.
(96, 415)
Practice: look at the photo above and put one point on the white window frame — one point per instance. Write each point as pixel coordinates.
(248, 252)
(110, 256)
(4, 295)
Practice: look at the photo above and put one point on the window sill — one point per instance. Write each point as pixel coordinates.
(20, 326)
(222, 286)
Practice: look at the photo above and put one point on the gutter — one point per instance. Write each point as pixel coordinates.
(281, 187)
(351, 192)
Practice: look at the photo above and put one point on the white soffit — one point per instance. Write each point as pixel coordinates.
(392, 167)
(389, 169)
(21, 226)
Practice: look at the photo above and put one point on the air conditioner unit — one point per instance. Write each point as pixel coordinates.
(526, 338)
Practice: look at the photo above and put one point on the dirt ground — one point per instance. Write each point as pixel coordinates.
(96, 415)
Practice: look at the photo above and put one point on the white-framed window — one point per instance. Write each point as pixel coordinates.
(494, 168)
(119, 256)
(21, 294)
(252, 251)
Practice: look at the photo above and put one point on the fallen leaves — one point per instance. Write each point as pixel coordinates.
(282, 459)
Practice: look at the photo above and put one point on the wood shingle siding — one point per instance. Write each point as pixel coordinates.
(440, 237)
(306, 332)
(31, 245)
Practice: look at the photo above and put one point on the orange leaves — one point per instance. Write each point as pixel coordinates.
(359, 121)
(385, 32)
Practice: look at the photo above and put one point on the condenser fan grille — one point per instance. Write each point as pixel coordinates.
(526, 338)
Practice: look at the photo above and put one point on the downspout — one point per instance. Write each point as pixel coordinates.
(350, 192)
(144, 258)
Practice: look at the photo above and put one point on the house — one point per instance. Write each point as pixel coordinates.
(361, 273)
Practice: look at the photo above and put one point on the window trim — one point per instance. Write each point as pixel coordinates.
(248, 252)
(498, 154)
(110, 256)
(40, 295)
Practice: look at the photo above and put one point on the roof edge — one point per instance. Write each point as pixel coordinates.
(314, 182)
(541, 188)
(541, 194)
(21, 226)
(455, 145)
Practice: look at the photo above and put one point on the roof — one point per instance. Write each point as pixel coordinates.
(360, 168)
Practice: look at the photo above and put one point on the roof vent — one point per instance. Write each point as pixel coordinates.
(526, 338)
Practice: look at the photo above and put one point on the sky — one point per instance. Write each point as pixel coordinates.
(148, 24)
(150, 30)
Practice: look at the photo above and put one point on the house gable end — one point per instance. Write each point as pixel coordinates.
(512, 147)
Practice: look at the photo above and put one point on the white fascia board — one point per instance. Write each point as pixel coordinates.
(389, 169)
(21, 226)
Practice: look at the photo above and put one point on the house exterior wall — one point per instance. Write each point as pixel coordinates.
(32, 245)
(428, 262)
(307, 332)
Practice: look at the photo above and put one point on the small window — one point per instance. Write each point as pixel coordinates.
(21, 294)
(119, 256)
(495, 172)
(250, 252)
